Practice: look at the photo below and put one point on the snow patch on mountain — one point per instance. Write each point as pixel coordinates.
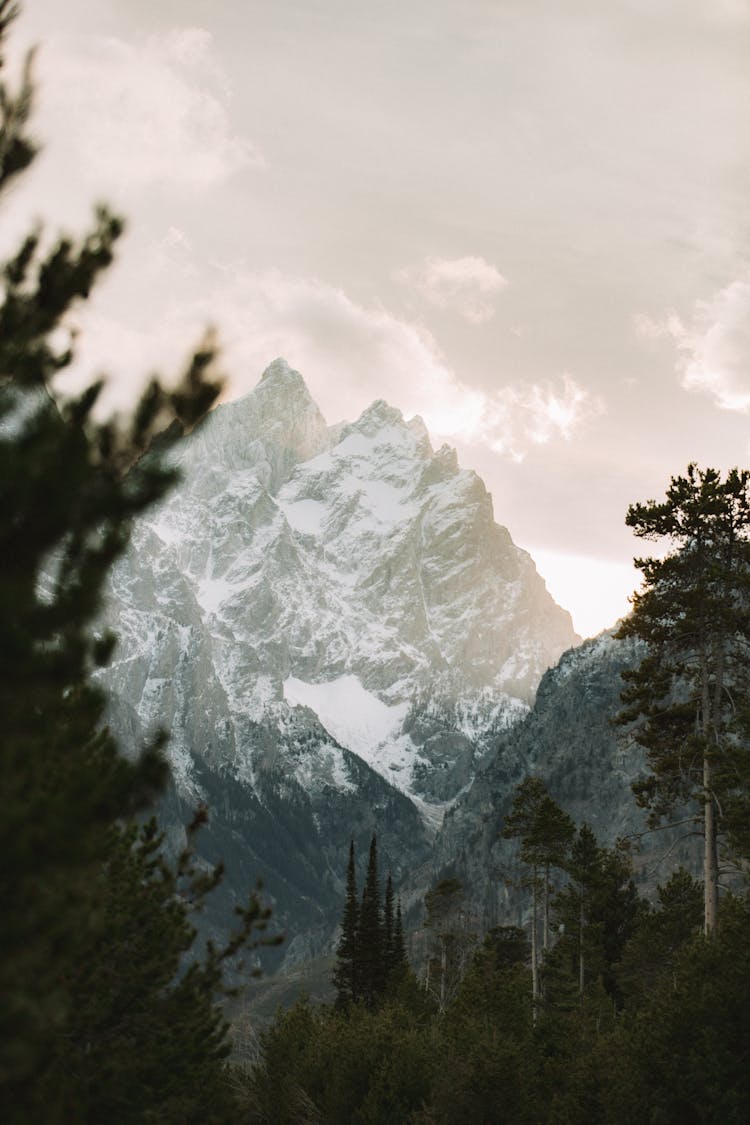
(355, 717)
(305, 516)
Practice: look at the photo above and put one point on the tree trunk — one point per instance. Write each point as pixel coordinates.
(534, 951)
(710, 735)
(710, 859)
(581, 967)
(545, 932)
(710, 825)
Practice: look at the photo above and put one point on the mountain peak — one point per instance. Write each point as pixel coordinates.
(281, 374)
(281, 389)
(417, 427)
(269, 429)
(377, 416)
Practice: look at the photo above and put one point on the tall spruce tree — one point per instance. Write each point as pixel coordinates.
(399, 960)
(345, 973)
(370, 935)
(689, 696)
(389, 922)
(93, 934)
(396, 963)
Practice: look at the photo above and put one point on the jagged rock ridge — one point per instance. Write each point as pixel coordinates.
(318, 612)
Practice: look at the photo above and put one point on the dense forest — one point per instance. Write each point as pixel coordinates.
(606, 1007)
(609, 1008)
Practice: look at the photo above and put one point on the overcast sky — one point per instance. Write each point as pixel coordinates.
(526, 220)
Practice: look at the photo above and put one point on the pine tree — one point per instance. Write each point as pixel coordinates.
(546, 833)
(389, 922)
(597, 912)
(370, 937)
(93, 934)
(689, 695)
(396, 963)
(584, 867)
(452, 940)
(130, 985)
(659, 936)
(399, 962)
(345, 974)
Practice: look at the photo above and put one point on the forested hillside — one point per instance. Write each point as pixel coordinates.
(606, 1008)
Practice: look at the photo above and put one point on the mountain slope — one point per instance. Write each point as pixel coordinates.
(333, 630)
(569, 740)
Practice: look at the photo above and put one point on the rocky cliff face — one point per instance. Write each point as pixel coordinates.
(333, 630)
(569, 740)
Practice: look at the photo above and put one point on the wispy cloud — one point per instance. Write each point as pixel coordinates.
(713, 346)
(557, 408)
(142, 114)
(466, 285)
(520, 415)
(349, 353)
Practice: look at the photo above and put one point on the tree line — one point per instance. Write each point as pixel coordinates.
(629, 1014)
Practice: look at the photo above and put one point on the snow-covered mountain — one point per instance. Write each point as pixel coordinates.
(318, 612)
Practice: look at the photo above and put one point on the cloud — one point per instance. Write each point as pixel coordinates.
(349, 354)
(714, 347)
(555, 409)
(135, 116)
(518, 416)
(465, 285)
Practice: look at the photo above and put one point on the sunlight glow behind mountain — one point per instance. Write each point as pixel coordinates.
(594, 591)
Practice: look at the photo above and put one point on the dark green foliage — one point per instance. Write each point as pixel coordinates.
(345, 972)
(389, 921)
(659, 935)
(399, 964)
(143, 1040)
(484, 1040)
(371, 956)
(362, 1066)
(371, 970)
(451, 940)
(396, 963)
(597, 912)
(545, 830)
(682, 1054)
(689, 695)
(674, 1051)
(505, 946)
